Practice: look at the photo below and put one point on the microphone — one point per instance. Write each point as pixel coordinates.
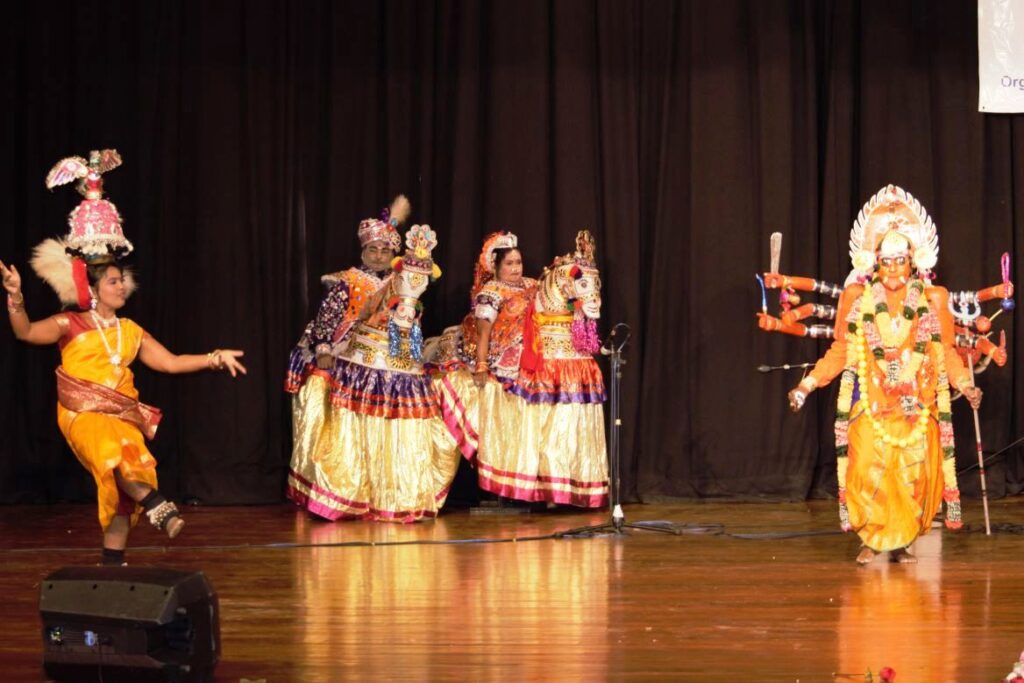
(608, 343)
(609, 346)
(785, 366)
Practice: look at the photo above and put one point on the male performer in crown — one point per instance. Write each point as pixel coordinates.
(894, 349)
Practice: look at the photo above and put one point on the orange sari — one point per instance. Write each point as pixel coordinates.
(103, 442)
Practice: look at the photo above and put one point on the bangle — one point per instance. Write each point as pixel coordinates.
(214, 360)
(808, 384)
(481, 366)
(15, 305)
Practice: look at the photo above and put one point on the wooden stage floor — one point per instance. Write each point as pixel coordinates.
(701, 606)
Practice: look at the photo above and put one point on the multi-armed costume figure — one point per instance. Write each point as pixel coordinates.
(98, 410)
(895, 351)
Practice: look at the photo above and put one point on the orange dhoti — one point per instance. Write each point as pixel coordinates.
(892, 492)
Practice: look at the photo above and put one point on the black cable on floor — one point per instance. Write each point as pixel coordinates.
(287, 546)
(708, 529)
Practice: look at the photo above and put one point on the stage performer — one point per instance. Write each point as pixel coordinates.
(525, 403)
(894, 348)
(98, 410)
(313, 361)
(348, 291)
(489, 342)
(380, 449)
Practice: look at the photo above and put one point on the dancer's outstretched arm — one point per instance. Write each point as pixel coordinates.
(45, 331)
(156, 357)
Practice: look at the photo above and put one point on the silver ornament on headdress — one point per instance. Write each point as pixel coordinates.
(892, 208)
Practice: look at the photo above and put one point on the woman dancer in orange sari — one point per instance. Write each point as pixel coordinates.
(98, 410)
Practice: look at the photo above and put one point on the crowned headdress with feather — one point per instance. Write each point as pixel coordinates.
(385, 228)
(95, 234)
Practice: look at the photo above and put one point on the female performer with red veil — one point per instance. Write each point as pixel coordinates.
(520, 390)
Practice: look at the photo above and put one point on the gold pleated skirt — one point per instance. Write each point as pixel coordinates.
(537, 452)
(347, 465)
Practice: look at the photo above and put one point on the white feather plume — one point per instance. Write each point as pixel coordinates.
(53, 264)
(400, 209)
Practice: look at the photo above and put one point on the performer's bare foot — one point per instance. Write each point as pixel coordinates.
(902, 556)
(174, 526)
(865, 556)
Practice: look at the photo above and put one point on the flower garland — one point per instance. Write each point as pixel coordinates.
(583, 330)
(875, 330)
(842, 426)
(883, 339)
(894, 337)
(951, 489)
(860, 353)
(866, 340)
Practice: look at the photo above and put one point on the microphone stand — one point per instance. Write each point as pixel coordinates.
(618, 522)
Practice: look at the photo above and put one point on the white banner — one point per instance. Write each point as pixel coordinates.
(1001, 56)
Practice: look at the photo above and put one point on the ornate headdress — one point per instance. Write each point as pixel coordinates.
(891, 214)
(484, 270)
(585, 248)
(95, 234)
(495, 241)
(583, 257)
(383, 229)
(419, 243)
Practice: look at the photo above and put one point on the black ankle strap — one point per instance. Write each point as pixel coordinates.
(152, 500)
(113, 557)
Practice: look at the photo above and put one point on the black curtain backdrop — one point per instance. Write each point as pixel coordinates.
(257, 134)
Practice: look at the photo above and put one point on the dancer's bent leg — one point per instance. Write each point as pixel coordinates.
(162, 513)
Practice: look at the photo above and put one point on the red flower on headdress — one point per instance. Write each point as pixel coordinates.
(887, 674)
